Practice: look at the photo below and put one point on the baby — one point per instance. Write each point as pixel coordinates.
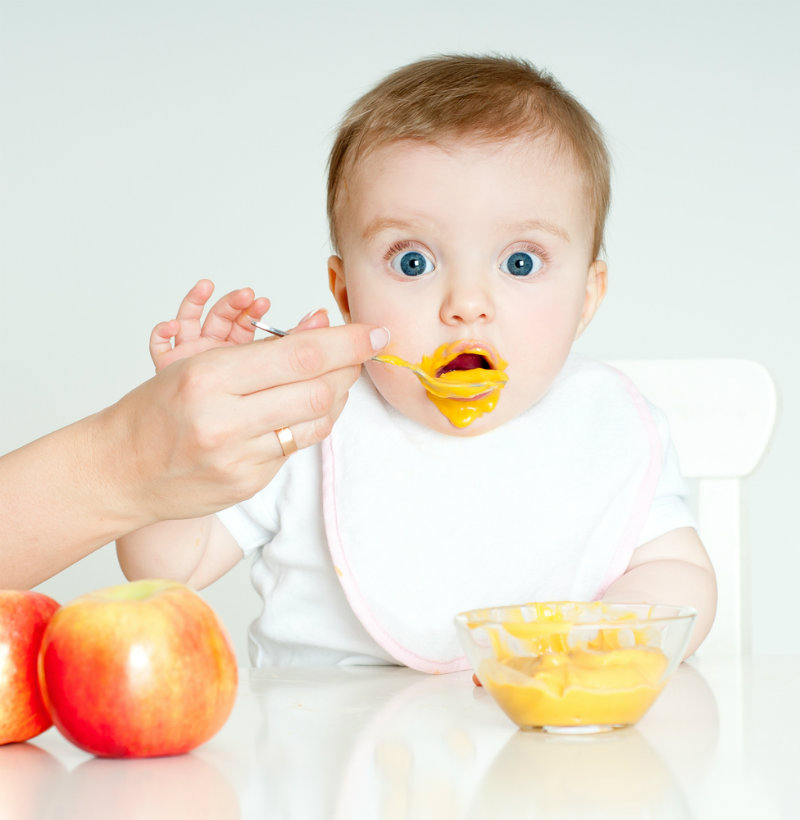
(467, 198)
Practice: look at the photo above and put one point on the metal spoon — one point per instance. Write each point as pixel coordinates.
(273, 330)
(433, 384)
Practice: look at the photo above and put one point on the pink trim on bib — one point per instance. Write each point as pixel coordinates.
(647, 488)
(352, 591)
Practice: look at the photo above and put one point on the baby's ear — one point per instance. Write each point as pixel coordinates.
(337, 285)
(596, 285)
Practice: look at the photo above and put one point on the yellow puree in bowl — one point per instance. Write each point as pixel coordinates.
(459, 395)
(609, 680)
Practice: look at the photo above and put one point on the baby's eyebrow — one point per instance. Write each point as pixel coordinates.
(380, 224)
(541, 225)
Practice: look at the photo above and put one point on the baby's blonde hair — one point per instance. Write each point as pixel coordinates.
(487, 98)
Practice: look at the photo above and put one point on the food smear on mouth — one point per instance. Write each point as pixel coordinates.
(464, 382)
(542, 675)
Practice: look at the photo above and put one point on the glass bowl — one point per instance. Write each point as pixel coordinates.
(575, 667)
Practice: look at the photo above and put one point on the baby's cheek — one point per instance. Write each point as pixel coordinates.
(387, 380)
(403, 391)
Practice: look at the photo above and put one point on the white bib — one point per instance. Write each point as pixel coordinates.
(422, 525)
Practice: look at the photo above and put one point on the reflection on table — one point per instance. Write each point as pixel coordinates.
(387, 742)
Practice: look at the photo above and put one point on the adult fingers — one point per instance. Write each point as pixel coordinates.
(298, 357)
(309, 408)
(217, 415)
(263, 446)
(303, 434)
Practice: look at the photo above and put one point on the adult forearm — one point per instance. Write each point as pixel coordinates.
(671, 582)
(62, 497)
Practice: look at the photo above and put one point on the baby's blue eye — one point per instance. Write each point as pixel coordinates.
(412, 263)
(521, 263)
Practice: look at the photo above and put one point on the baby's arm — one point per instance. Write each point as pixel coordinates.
(671, 569)
(195, 551)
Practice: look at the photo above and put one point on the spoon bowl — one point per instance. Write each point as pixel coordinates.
(455, 387)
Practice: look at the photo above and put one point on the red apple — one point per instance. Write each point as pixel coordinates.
(138, 670)
(23, 618)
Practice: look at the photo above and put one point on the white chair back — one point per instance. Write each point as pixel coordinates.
(721, 414)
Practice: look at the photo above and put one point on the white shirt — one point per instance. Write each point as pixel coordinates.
(371, 542)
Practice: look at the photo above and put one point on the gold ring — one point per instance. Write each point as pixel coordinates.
(286, 440)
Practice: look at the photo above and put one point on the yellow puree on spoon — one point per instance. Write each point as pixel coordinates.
(460, 395)
(610, 679)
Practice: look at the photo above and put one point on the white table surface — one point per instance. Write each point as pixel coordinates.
(382, 742)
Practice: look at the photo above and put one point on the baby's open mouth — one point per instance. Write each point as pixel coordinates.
(466, 361)
(463, 370)
(467, 379)
(463, 379)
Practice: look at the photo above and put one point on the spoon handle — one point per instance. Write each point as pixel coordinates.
(273, 330)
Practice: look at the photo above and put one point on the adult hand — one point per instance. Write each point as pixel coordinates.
(201, 434)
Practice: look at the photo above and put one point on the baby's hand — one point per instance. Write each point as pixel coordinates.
(227, 323)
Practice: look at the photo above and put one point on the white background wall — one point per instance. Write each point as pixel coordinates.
(144, 145)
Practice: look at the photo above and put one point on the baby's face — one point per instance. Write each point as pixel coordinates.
(489, 243)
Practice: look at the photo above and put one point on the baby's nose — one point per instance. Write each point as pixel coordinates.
(468, 300)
